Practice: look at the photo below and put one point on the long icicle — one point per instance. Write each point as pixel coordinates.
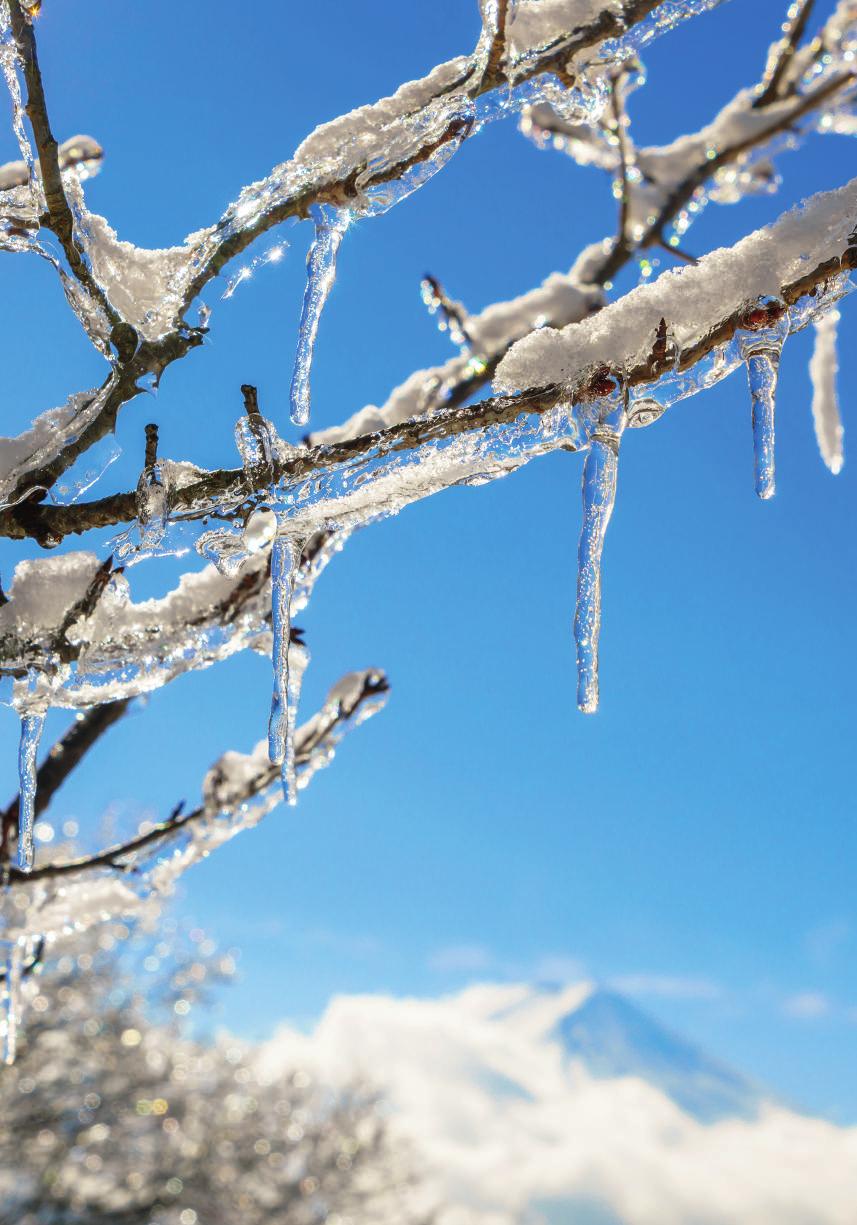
(285, 559)
(11, 1001)
(761, 342)
(31, 734)
(600, 471)
(762, 373)
(823, 367)
(330, 225)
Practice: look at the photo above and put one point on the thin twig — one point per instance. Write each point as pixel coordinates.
(307, 740)
(677, 251)
(193, 501)
(782, 54)
(493, 74)
(59, 219)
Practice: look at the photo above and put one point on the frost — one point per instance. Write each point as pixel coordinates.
(330, 225)
(825, 406)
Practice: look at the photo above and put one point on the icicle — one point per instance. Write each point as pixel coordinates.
(285, 559)
(330, 225)
(31, 734)
(11, 1001)
(599, 495)
(760, 344)
(825, 406)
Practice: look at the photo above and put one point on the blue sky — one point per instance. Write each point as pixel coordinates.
(695, 839)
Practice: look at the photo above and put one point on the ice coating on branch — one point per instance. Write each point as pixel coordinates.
(760, 343)
(259, 530)
(10, 64)
(285, 558)
(239, 791)
(694, 300)
(153, 505)
(32, 726)
(600, 471)
(85, 472)
(330, 226)
(562, 298)
(50, 433)
(234, 775)
(451, 315)
(823, 367)
(258, 443)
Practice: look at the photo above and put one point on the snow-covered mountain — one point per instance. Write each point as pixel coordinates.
(570, 1106)
(612, 1038)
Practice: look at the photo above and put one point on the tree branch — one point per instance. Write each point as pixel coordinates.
(315, 734)
(59, 218)
(196, 500)
(782, 53)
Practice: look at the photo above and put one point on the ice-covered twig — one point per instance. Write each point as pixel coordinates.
(238, 779)
(316, 175)
(683, 168)
(793, 259)
(326, 166)
(782, 52)
(59, 215)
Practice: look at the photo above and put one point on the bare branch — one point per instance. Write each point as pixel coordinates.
(309, 739)
(782, 53)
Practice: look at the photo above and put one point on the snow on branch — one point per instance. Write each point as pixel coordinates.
(132, 301)
(238, 791)
(731, 150)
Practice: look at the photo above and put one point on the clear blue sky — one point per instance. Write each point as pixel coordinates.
(698, 834)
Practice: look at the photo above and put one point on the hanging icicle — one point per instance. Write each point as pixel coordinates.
(285, 560)
(11, 1000)
(31, 733)
(823, 367)
(760, 342)
(600, 469)
(330, 225)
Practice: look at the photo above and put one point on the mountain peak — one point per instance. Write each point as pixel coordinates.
(612, 1037)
